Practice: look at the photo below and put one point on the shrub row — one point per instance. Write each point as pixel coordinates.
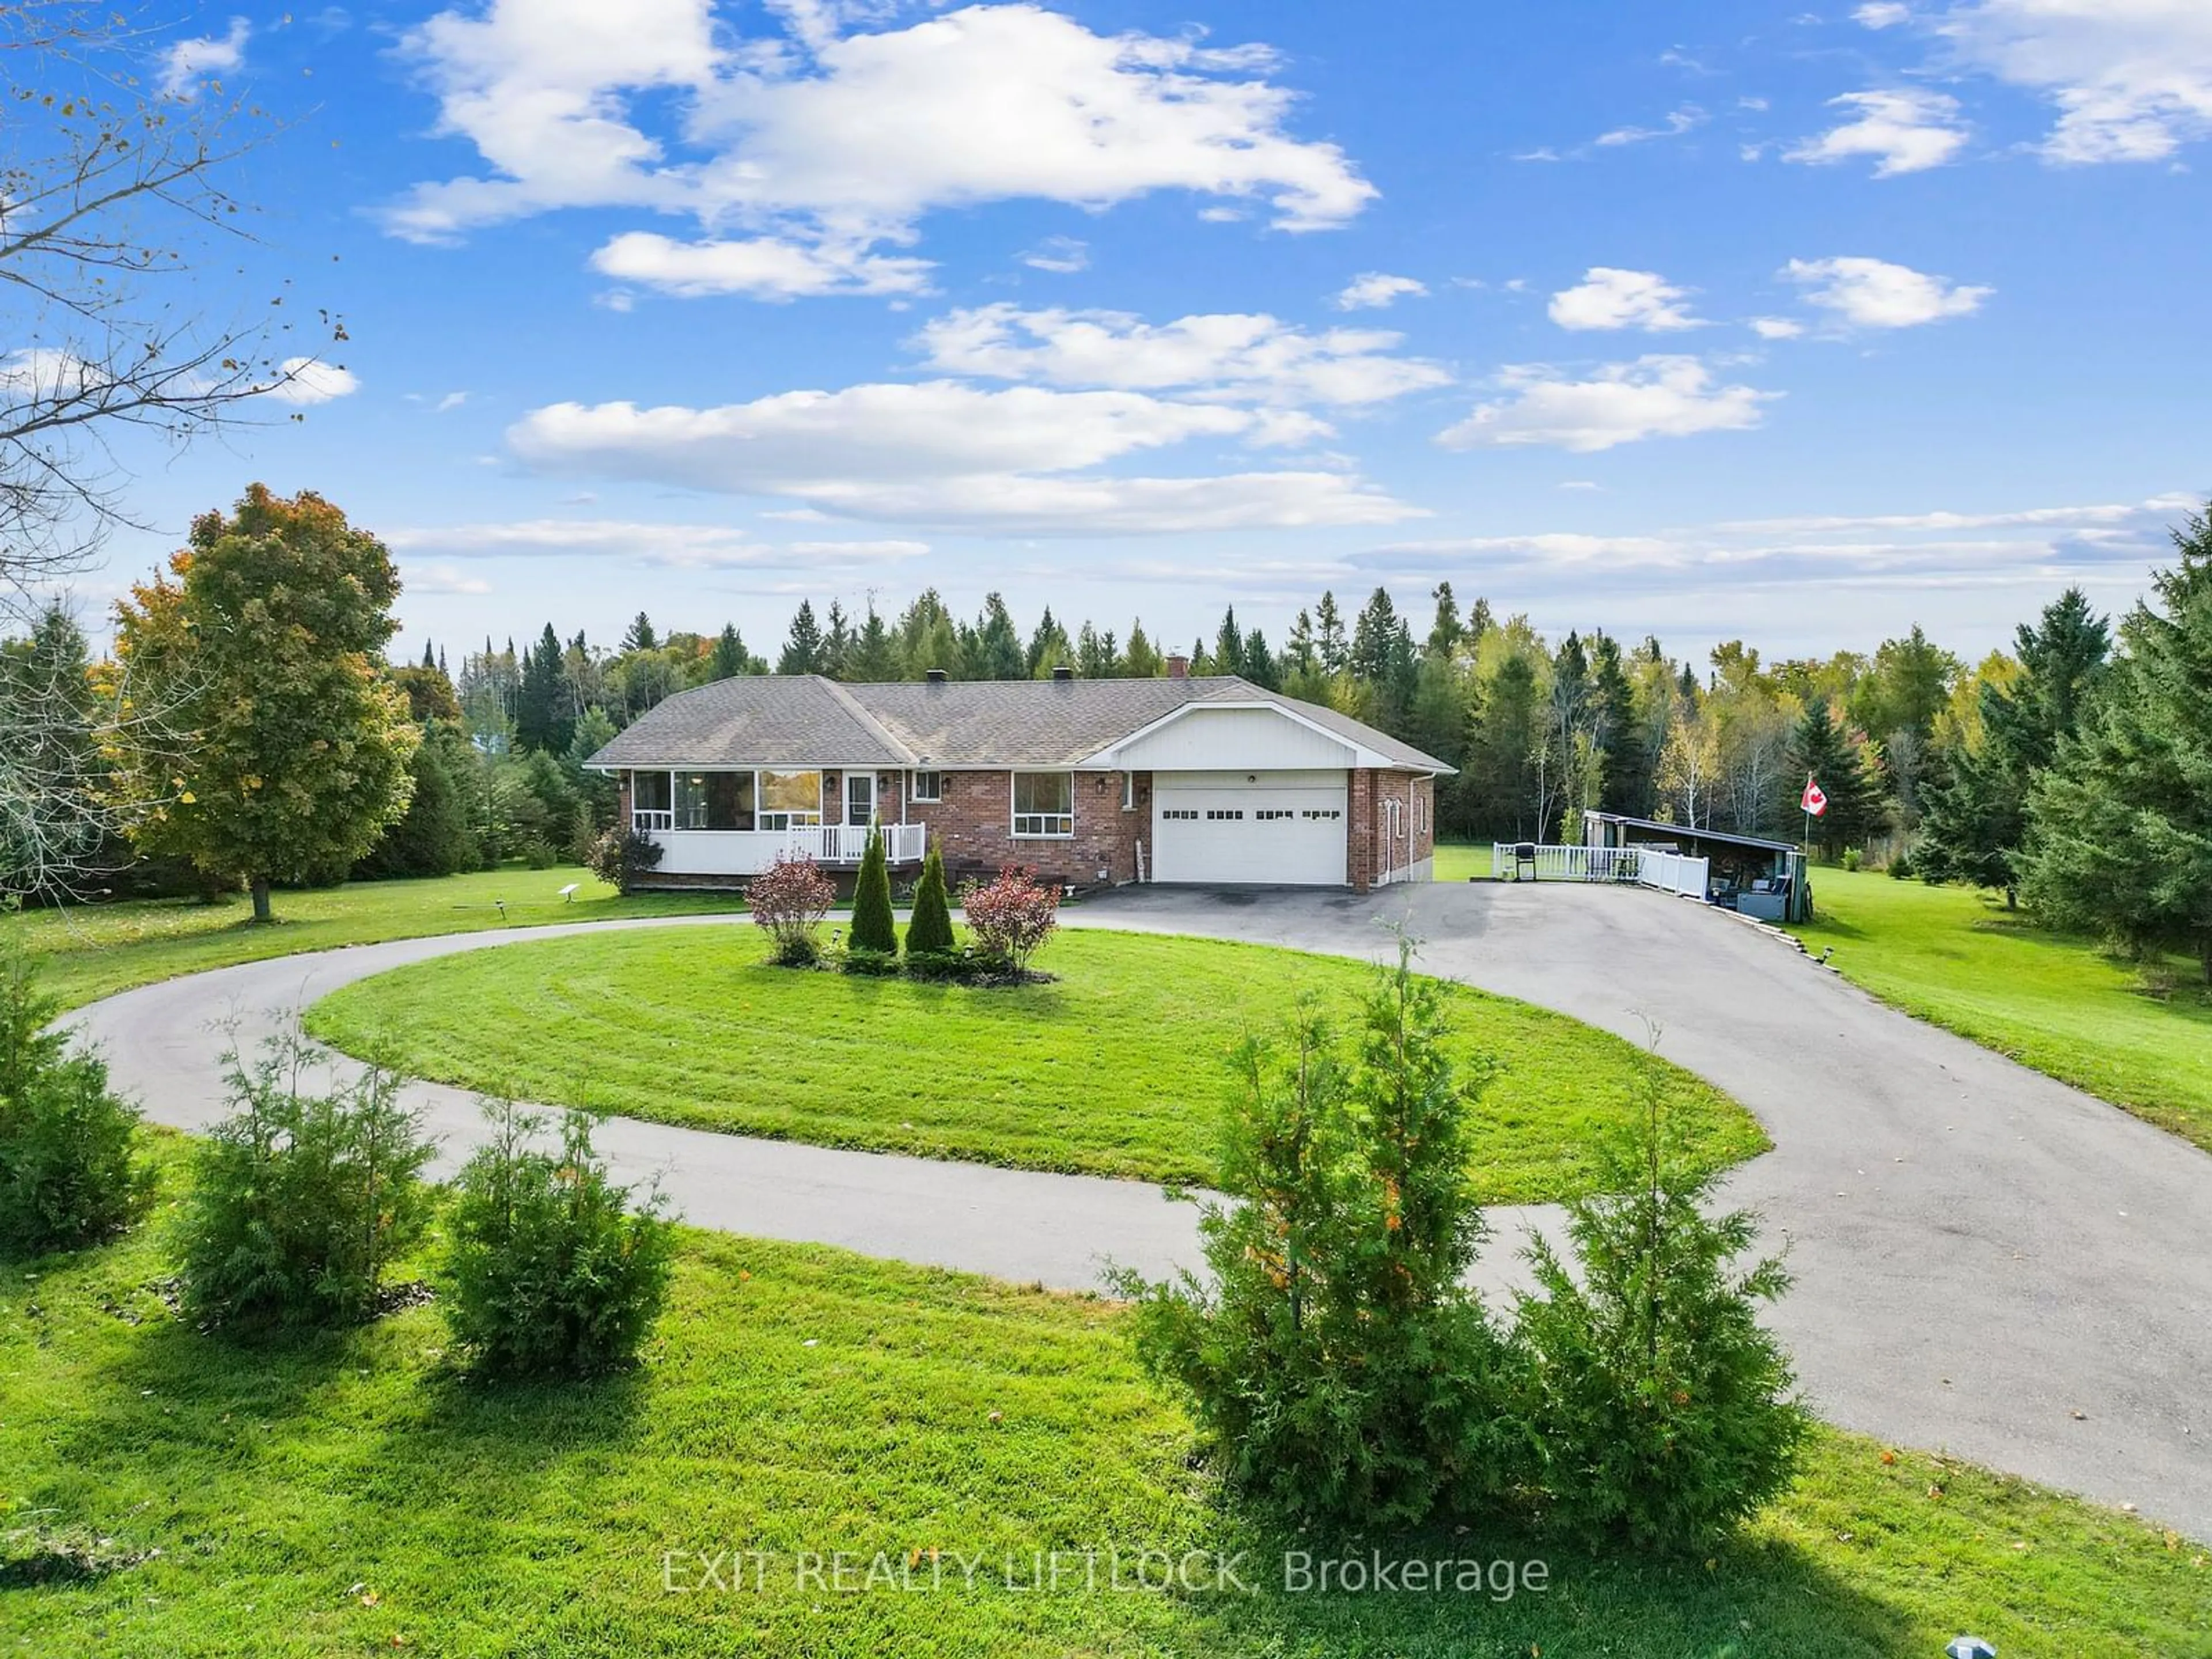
(303, 1198)
(1340, 1369)
(1009, 919)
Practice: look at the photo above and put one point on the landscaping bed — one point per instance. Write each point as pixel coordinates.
(1114, 1069)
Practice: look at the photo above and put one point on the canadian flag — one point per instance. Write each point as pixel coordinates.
(1816, 800)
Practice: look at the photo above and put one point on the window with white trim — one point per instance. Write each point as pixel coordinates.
(927, 786)
(789, 799)
(1044, 803)
(1128, 791)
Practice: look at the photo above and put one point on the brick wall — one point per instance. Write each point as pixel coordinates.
(974, 827)
(1369, 791)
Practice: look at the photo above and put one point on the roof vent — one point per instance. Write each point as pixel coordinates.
(1061, 673)
(935, 676)
(1178, 667)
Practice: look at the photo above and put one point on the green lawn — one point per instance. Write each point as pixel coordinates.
(349, 1494)
(1460, 861)
(1961, 960)
(1116, 1069)
(94, 950)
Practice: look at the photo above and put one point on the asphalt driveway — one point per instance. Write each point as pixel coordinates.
(1987, 1261)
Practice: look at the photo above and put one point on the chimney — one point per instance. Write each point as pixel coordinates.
(1062, 674)
(935, 676)
(1178, 667)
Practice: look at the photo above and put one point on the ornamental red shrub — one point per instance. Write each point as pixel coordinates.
(1012, 918)
(789, 898)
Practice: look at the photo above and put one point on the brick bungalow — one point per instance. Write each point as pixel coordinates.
(1091, 783)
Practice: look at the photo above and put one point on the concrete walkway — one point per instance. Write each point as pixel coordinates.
(1987, 1261)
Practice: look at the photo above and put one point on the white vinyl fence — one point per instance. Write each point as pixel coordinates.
(1646, 866)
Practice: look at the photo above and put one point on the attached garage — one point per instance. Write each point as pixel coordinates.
(1288, 828)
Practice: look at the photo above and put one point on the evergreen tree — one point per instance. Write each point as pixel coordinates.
(927, 638)
(836, 642)
(1905, 688)
(2120, 827)
(1436, 722)
(929, 930)
(54, 834)
(1330, 651)
(1626, 785)
(1298, 654)
(998, 653)
(429, 661)
(1374, 632)
(1447, 630)
(1497, 789)
(435, 837)
(729, 659)
(1142, 661)
(874, 655)
(1048, 646)
(1095, 659)
(1976, 816)
(542, 717)
(873, 930)
(1228, 655)
(802, 650)
(1824, 751)
(640, 636)
(1260, 665)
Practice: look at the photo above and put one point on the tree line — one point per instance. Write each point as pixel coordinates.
(249, 727)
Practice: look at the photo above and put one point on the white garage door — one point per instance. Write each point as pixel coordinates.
(1216, 828)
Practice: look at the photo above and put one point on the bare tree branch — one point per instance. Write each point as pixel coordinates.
(113, 200)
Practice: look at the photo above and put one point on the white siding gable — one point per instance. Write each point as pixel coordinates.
(1205, 739)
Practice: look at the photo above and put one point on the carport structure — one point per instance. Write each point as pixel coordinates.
(1761, 878)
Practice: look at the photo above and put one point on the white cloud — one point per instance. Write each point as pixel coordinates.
(1882, 14)
(188, 63)
(683, 546)
(2093, 520)
(306, 382)
(1230, 355)
(1777, 328)
(1607, 297)
(1372, 291)
(1654, 397)
(443, 579)
(1875, 294)
(1883, 556)
(451, 400)
(1687, 118)
(1062, 255)
(1905, 130)
(839, 142)
(766, 267)
(1550, 547)
(2132, 79)
(943, 453)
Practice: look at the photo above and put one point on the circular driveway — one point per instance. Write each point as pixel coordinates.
(1987, 1261)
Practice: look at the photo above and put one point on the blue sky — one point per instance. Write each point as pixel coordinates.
(1709, 319)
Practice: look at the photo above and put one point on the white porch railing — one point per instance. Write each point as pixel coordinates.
(846, 843)
(1647, 866)
(749, 852)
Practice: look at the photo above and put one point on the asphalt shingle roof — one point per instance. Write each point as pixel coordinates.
(795, 720)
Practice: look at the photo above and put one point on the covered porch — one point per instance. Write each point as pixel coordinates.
(736, 822)
(749, 852)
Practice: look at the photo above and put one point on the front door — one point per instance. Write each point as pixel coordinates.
(860, 797)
